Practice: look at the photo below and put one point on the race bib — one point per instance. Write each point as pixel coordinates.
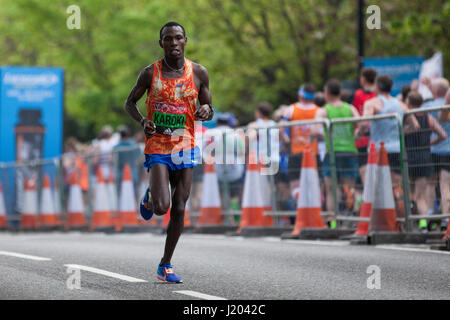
(168, 118)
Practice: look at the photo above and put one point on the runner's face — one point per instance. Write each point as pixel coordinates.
(173, 42)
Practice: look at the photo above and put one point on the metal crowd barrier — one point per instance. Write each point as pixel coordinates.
(231, 208)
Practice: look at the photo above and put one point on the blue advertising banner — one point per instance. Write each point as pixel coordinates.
(403, 70)
(31, 113)
(31, 126)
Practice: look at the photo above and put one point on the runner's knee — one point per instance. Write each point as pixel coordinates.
(160, 207)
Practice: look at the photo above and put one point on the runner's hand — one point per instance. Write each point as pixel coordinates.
(203, 112)
(149, 128)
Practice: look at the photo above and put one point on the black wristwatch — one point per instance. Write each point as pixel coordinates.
(142, 121)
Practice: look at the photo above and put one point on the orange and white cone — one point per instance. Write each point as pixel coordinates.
(113, 201)
(383, 217)
(210, 205)
(253, 199)
(3, 223)
(101, 217)
(308, 202)
(28, 218)
(56, 199)
(369, 191)
(47, 214)
(127, 203)
(75, 205)
(447, 233)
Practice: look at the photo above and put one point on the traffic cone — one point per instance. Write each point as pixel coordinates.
(47, 218)
(28, 218)
(253, 199)
(210, 206)
(56, 199)
(369, 191)
(113, 201)
(3, 223)
(447, 233)
(309, 201)
(127, 202)
(75, 205)
(101, 217)
(383, 217)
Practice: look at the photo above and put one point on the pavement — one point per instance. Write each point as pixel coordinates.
(123, 267)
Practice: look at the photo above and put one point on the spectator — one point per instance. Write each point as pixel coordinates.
(127, 152)
(232, 169)
(440, 152)
(444, 115)
(406, 89)
(367, 92)
(264, 142)
(300, 135)
(103, 148)
(284, 199)
(319, 99)
(343, 143)
(387, 130)
(74, 162)
(419, 157)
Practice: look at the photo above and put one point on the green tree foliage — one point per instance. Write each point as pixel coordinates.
(254, 50)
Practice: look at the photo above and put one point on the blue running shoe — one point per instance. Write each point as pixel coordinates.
(145, 207)
(165, 273)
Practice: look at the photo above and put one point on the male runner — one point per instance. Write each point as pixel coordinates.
(173, 85)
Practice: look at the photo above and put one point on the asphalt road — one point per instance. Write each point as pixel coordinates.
(213, 267)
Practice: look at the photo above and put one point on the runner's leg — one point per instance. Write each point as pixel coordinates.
(180, 181)
(159, 189)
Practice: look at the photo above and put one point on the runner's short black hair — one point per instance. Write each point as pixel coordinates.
(415, 99)
(171, 24)
(265, 108)
(319, 99)
(384, 83)
(369, 74)
(333, 86)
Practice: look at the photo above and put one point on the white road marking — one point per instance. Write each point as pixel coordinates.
(410, 249)
(319, 242)
(199, 295)
(104, 273)
(207, 236)
(23, 256)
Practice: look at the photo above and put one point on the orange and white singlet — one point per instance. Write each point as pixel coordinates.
(171, 104)
(301, 135)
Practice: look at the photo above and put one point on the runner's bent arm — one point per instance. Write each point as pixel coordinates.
(205, 111)
(444, 115)
(142, 84)
(437, 129)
